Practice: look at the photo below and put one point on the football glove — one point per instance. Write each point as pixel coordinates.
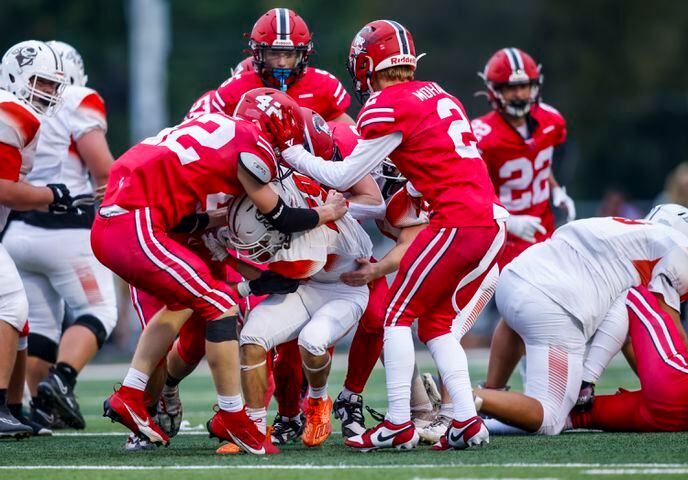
(270, 282)
(560, 199)
(524, 226)
(62, 200)
(216, 247)
(286, 132)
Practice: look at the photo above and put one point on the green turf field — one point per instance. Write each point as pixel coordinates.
(98, 453)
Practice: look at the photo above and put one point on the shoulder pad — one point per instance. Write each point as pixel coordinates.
(256, 167)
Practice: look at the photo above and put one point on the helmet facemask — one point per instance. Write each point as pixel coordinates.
(279, 77)
(389, 178)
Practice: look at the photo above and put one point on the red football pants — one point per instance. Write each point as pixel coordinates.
(136, 248)
(661, 405)
(439, 275)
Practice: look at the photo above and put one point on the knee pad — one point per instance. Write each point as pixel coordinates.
(222, 329)
(95, 326)
(312, 346)
(42, 347)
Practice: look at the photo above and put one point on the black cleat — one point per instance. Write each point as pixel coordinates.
(285, 429)
(10, 427)
(350, 412)
(60, 395)
(43, 414)
(37, 429)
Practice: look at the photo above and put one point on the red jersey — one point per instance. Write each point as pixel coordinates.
(316, 89)
(520, 168)
(437, 153)
(189, 168)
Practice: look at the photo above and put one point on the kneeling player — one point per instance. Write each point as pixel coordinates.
(318, 314)
(558, 294)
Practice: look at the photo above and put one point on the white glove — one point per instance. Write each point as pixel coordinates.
(525, 226)
(561, 200)
(215, 246)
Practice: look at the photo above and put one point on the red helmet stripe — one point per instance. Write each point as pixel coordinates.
(402, 37)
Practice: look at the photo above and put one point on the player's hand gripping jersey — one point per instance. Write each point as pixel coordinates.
(520, 168)
(406, 208)
(603, 257)
(325, 252)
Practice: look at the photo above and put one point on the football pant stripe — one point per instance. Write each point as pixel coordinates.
(648, 317)
(143, 242)
(137, 305)
(423, 275)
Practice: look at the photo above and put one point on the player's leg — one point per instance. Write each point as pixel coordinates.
(278, 319)
(364, 352)
(336, 309)
(506, 349)
(13, 311)
(287, 374)
(554, 360)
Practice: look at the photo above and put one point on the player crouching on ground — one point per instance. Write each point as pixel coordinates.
(556, 295)
(194, 166)
(318, 314)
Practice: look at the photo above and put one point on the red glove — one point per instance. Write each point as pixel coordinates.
(287, 131)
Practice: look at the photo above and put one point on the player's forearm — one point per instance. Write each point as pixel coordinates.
(367, 155)
(244, 269)
(95, 152)
(24, 196)
(366, 201)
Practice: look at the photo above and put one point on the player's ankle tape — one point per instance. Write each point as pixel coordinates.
(248, 368)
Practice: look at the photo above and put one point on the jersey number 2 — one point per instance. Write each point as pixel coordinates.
(446, 107)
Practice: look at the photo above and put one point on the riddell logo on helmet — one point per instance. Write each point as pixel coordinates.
(405, 60)
(282, 43)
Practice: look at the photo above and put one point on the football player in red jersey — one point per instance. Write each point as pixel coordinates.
(198, 164)
(281, 44)
(519, 139)
(425, 132)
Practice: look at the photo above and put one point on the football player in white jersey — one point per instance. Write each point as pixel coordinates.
(31, 83)
(53, 253)
(318, 314)
(558, 294)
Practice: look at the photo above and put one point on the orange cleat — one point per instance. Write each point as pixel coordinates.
(318, 424)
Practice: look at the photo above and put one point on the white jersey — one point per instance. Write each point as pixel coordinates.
(57, 160)
(588, 263)
(325, 252)
(19, 127)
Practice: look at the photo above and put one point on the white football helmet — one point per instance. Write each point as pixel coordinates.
(672, 215)
(33, 72)
(71, 61)
(250, 234)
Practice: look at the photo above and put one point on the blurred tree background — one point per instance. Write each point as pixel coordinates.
(617, 70)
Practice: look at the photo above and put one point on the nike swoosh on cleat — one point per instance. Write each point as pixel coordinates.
(456, 438)
(244, 446)
(384, 438)
(63, 389)
(139, 422)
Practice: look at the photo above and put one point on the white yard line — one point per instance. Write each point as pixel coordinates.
(641, 467)
(637, 471)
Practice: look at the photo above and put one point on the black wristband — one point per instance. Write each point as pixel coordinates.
(291, 220)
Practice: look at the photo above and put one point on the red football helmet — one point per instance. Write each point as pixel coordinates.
(318, 136)
(511, 66)
(380, 44)
(259, 104)
(280, 30)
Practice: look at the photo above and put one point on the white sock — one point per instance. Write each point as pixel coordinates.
(346, 393)
(451, 361)
(399, 361)
(135, 379)
(317, 392)
(230, 403)
(259, 416)
(447, 409)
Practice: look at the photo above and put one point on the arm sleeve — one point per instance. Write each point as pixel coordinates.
(362, 212)
(367, 155)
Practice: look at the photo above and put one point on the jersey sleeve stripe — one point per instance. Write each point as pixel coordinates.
(342, 96)
(375, 110)
(338, 90)
(376, 120)
(267, 147)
